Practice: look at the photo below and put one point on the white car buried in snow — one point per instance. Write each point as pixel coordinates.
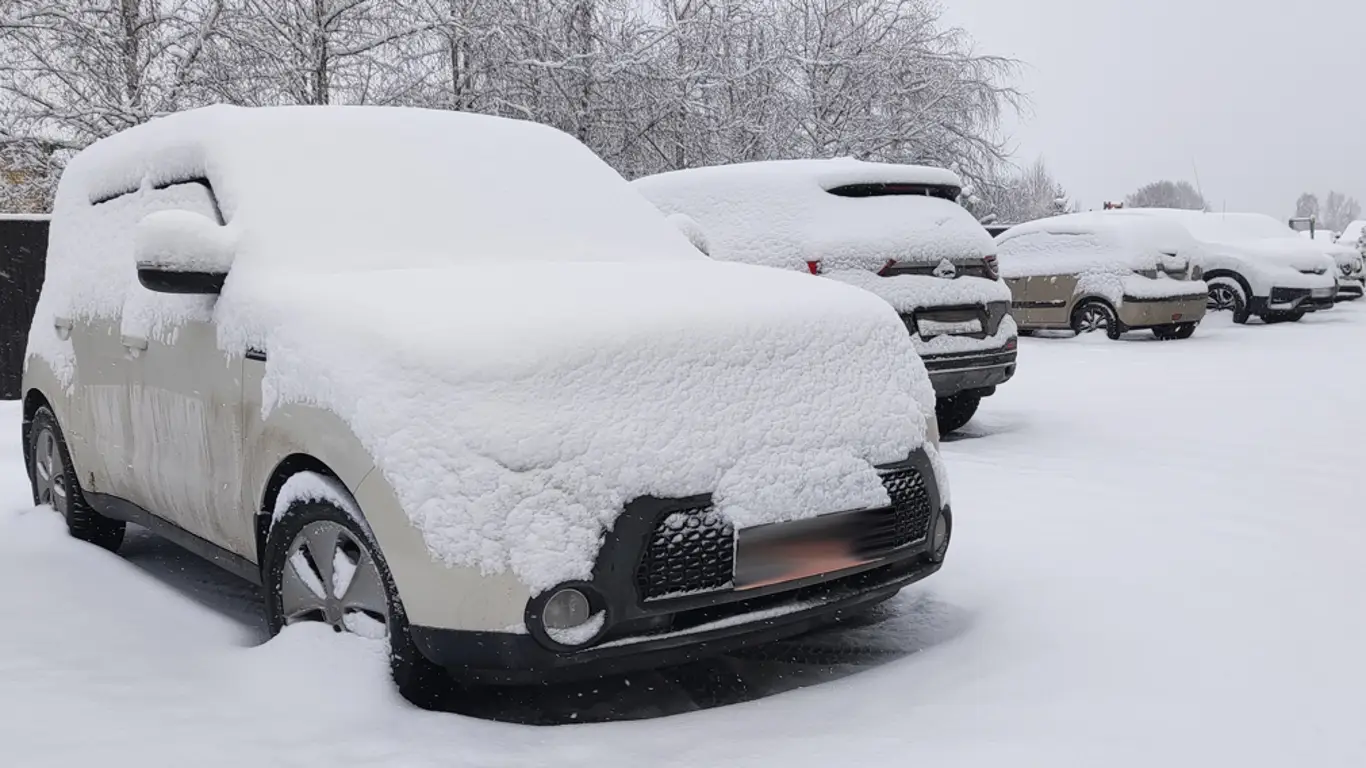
(449, 380)
(1347, 255)
(1251, 269)
(894, 230)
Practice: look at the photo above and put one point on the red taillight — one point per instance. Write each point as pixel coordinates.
(1011, 344)
(814, 266)
(886, 267)
(992, 271)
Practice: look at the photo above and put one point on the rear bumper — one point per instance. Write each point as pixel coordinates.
(518, 659)
(965, 371)
(1138, 313)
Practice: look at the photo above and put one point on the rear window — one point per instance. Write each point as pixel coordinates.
(891, 189)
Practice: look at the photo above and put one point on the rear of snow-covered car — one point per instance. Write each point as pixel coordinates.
(1255, 266)
(522, 430)
(1094, 271)
(894, 230)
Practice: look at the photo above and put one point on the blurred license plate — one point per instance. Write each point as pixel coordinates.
(1323, 293)
(942, 328)
(772, 554)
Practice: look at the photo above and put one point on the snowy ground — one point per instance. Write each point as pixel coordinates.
(1157, 561)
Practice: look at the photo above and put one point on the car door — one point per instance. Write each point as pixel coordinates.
(185, 403)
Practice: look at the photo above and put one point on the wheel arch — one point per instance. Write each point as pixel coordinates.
(288, 467)
(1228, 274)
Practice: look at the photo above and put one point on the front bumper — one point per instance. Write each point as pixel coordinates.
(518, 659)
(1298, 300)
(964, 371)
(1138, 313)
(649, 621)
(1350, 288)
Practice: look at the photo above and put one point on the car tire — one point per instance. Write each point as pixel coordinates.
(1094, 314)
(955, 411)
(54, 482)
(301, 529)
(1174, 331)
(1227, 296)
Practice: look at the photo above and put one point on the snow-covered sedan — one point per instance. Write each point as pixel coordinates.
(1094, 271)
(895, 230)
(447, 379)
(1251, 270)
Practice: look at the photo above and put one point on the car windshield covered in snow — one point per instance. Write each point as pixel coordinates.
(1239, 226)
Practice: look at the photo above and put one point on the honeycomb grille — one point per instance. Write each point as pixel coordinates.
(911, 510)
(690, 551)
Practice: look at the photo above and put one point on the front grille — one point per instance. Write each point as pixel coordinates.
(689, 551)
(909, 522)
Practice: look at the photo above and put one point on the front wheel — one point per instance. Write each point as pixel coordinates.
(321, 565)
(955, 411)
(54, 483)
(1226, 297)
(1094, 315)
(1175, 331)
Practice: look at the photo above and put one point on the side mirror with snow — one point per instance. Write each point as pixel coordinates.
(182, 252)
(691, 230)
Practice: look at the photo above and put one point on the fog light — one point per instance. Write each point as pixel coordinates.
(566, 609)
(939, 540)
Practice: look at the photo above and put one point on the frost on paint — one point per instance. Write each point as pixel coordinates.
(519, 339)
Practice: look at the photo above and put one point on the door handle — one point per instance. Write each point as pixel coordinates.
(135, 345)
(62, 325)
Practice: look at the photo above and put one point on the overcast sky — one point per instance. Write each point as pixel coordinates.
(1267, 99)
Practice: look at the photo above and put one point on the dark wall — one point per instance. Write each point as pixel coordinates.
(23, 253)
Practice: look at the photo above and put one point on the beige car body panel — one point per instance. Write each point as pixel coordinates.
(1046, 302)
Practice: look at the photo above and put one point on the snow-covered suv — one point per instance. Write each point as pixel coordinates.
(1252, 270)
(894, 230)
(1351, 272)
(448, 379)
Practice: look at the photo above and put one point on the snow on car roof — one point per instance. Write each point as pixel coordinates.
(1351, 234)
(1088, 241)
(783, 213)
(338, 188)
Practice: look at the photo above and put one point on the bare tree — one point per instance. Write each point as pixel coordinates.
(1167, 194)
(1307, 206)
(73, 71)
(1339, 210)
(1032, 193)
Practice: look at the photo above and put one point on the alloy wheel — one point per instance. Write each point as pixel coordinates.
(1221, 298)
(1092, 318)
(330, 576)
(50, 473)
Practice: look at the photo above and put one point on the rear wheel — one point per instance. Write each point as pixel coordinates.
(321, 565)
(1227, 297)
(955, 411)
(1095, 315)
(54, 484)
(1175, 331)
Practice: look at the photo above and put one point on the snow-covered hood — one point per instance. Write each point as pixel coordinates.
(1347, 259)
(1301, 256)
(516, 409)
